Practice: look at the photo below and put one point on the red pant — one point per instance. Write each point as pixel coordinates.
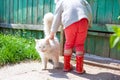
(76, 34)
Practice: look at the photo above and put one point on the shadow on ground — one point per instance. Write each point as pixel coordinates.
(58, 73)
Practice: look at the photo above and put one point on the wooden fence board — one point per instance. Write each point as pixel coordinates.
(4, 6)
(40, 11)
(12, 11)
(20, 11)
(7, 11)
(90, 44)
(94, 6)
(101, 46)
(52, 6)
(46, 6)
(1, 12)
(116, 11)
(108, 11)
(34, 12)
(15, 9)
(24, 11)
(101, 11)
(29, 12)
(24, 26)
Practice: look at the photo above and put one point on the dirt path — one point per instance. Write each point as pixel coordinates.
(32, 71)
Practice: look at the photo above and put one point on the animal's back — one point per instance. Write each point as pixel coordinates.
(54, 50)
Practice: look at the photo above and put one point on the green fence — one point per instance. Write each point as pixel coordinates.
(16, 15)
(29, 12)
(32, 11)
(105, 11)
(24, 11)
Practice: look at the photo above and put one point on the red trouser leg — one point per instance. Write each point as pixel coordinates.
(79, 44)
(69, 44)
(81, 35)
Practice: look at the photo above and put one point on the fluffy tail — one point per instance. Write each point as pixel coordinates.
(48, 18)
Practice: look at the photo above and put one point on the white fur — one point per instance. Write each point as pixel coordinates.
(48, 49)
(48, 18)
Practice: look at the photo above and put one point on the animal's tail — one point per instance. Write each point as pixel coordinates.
(48, 18)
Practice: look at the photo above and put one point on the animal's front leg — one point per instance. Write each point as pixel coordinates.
(56, 63)
(44, 64)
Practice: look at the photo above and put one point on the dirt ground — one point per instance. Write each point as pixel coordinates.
(32, 71)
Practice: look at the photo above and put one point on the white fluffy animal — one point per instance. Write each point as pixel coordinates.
(48, 49)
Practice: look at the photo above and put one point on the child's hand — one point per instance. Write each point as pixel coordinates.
(51, 36)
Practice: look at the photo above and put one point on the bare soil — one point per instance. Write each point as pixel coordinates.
(32, 71)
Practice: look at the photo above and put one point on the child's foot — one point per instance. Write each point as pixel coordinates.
(68, 69)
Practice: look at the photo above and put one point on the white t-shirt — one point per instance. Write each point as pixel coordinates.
(68, 12)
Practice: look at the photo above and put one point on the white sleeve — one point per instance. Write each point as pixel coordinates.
(57, 17)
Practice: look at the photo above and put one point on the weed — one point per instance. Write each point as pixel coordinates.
(14, 49)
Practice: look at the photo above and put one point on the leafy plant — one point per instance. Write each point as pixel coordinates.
(14, 49)
(115, 38)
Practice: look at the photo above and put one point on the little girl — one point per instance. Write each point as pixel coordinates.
(76, 17)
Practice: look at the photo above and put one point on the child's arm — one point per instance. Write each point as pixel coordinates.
(57, 17)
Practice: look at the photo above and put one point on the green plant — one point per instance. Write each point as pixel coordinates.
(115, 38)
(14, 49)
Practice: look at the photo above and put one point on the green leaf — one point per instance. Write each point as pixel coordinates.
(114, 40)
(116, 30)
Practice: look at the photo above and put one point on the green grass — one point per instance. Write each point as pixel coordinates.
(14, 49)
